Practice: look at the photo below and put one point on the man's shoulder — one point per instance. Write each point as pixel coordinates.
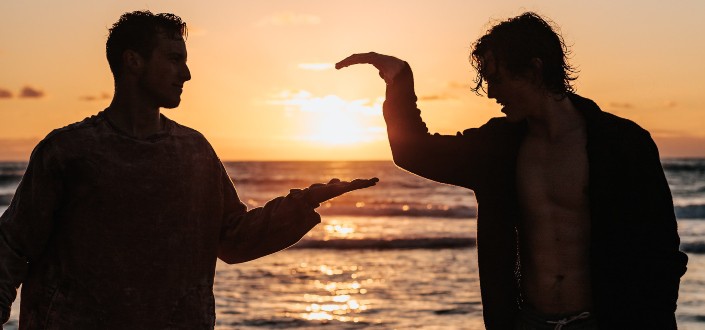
(497, 129)
(59, 140)
(604, 123)
(189, 136)
(614, 137)
(181, 130)
(74, 130)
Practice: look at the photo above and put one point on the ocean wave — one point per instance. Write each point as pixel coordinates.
(456, 212)
(283, 183)
(693, 247)
(10, 178)
(678, 165)
(279, 182)
(425, 243)
(696, 211)
(388, 244)
(5, 199)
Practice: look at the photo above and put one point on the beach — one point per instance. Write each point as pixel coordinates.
(400, 255)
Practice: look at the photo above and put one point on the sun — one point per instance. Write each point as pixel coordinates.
(335, 127)
(332, 120)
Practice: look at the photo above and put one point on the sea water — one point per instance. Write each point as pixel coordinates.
(399, 255)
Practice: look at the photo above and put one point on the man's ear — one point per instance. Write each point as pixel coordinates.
(536, 70)
(132, 61)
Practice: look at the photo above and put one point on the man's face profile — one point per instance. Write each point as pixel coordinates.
(513, 92)
(164, 73)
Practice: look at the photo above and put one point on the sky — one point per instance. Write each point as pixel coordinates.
(264, 88)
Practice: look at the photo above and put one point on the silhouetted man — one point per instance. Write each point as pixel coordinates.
(119, 218)
(576, 228)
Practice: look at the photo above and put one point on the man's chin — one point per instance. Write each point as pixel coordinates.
(171, 105)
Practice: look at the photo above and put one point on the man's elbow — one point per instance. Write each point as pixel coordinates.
(401, 162)
(234, 255)
(408, 161)
(233, 258)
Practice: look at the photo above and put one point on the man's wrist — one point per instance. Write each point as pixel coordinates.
(304, 197)
(308, 200)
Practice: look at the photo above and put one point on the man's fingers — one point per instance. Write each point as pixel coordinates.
(363, 183)
(320, 192)
(361, 58)
(388, 66)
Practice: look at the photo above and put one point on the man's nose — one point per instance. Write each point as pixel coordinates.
(491, 94)
(186, 73)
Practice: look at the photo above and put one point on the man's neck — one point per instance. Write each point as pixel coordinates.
(555, 118)
(134, 118)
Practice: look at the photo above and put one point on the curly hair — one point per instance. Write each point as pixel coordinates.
(138, 31)
(516, 42)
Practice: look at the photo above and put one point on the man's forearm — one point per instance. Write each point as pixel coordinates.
(277, 225)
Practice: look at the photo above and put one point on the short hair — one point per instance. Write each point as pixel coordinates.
(138, 31)
(516, 42)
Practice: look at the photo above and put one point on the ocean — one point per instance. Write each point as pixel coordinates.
(400, 255)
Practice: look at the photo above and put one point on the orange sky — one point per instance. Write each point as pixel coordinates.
(263, 86)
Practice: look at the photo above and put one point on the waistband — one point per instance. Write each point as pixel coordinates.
(537, 320)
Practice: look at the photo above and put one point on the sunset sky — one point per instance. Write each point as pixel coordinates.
(264, 86)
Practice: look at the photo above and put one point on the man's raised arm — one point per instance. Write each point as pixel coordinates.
(443, 158)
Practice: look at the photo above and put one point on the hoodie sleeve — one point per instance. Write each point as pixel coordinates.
(454, 159)
(280, 223)
(26, 225)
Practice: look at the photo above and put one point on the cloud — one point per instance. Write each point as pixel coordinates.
(436, 97)
(5, 94)
(449, 92)
(316, 66)
(458, 85)
(620, 105)
(89, 98)
(670, 104)
(30, 92)
(289, 19)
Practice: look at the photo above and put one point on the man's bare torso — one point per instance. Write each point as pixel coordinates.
(555, 228)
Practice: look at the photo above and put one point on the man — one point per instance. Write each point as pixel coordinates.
(576, 228)
(119, 219)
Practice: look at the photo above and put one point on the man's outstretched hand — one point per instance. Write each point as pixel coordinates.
(388, 66)
(321, 192)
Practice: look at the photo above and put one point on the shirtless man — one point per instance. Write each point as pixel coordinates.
(575, 227)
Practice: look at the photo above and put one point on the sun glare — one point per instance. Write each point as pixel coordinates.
(333, 120)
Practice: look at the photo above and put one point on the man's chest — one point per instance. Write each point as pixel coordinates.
(553, 177)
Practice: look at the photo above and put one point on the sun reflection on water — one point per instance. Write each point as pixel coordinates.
(338, 230)
(337, 299)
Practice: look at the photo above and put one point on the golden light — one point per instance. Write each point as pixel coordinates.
(317, 316)
(340, 303)
(316, 66)
(332, 120)
(337, 230)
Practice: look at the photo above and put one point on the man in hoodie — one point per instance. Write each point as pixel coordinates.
(119, 219)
